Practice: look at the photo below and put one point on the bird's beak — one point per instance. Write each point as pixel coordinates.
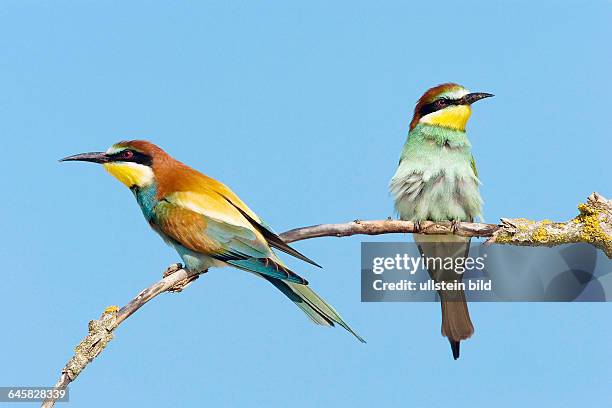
(94, 157)
(476, 96)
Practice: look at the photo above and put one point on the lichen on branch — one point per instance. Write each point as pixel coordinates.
(593, 225)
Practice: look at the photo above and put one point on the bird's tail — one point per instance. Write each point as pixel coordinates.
(317, 309)
(456, 323)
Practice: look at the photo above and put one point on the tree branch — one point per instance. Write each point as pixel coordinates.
(592, 225)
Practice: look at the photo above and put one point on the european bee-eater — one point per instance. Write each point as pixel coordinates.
(207, 224)
(436, 180)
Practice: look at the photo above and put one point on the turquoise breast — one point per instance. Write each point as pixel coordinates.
(147, 199)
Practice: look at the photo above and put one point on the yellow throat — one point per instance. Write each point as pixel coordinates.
(454, 117)
(130, 174)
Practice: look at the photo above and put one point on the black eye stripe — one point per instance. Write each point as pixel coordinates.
(137, 157)
(439, 104)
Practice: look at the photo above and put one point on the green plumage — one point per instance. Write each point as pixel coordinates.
(437, 180)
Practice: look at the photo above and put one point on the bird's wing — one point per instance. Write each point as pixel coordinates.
(271, 237)
(208, 224)
(473, 164)
(209, 192)
(407, 185)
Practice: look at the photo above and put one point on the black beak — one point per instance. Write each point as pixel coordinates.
(476, 96)
(94, 157)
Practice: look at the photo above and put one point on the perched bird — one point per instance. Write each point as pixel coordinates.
(207, 224)
(436, 180)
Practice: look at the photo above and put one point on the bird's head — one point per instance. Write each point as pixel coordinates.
(446, 105)
(130, 162)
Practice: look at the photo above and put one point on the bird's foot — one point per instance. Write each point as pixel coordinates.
(182, 284)
(417, 227)
(172, 268)
(454, 226)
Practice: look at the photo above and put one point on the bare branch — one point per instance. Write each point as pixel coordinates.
(358, 227)
(593, 225)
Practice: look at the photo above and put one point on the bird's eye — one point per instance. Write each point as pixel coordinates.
(441, 102)
(127, 154)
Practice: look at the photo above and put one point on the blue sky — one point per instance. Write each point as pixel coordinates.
(302, 109)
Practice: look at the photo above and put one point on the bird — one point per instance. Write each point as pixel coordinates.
(207, 223)
(436, 180)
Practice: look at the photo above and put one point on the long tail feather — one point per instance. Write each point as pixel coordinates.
(269, 267)
(456, 323)
(317, 309)
(455, 347)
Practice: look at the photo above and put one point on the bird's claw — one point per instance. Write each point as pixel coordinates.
(454, 226)
(172, 269)
(182, 285)
(417, 226)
